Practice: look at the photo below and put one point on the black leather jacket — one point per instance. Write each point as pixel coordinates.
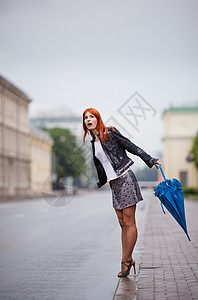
(115, 149)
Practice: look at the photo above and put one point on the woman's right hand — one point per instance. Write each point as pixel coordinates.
(158, 163)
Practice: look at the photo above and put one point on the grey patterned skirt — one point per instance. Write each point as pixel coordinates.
(125, 191)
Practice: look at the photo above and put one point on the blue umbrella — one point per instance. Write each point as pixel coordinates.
(170, 194)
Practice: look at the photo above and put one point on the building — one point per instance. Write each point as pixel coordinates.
(14, 140)
(41, 161)
(60, 117)
(25, 155)
(180, 125)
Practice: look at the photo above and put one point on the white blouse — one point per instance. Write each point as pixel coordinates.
(109, 170)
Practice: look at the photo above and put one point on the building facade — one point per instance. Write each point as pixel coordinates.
(180, 125)
(25, 155)
(14, 141)
(41, 161)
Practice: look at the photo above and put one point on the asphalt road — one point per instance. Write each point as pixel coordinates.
(68, 252)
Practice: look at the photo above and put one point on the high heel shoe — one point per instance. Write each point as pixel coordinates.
(127, 272)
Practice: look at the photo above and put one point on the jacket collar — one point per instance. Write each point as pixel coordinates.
(93, 140)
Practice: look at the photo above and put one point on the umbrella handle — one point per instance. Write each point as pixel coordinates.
(161, 171)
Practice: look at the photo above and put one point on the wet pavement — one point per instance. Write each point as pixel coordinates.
(65, 252)
(69, 252)
(74, 251)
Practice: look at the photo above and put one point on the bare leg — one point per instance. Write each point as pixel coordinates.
(131, 230)
(126, 218)
(123, 232)
(124, 241)
(123, 236)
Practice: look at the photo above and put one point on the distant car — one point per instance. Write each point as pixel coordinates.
(70, 190)
(92, 186)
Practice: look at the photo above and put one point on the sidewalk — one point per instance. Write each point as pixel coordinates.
(168, 262)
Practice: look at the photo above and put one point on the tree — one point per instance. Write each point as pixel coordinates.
(69, 156)
(194, 151)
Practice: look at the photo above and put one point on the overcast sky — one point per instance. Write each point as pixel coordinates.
(82, 53)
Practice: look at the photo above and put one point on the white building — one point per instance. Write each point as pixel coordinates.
(41, 161)
(25, 155)
(180, 125)
(60, 117)
(14, 141)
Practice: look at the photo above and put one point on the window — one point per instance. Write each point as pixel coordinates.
(183, 178)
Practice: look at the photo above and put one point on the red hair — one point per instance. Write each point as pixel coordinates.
(100, 127)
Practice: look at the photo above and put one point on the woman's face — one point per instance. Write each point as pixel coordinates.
(90, 121)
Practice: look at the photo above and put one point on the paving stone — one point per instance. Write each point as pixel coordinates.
(172, 257)
(169, 262)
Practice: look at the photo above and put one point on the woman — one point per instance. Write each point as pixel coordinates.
(113, 165)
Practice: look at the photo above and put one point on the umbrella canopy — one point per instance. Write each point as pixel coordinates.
(170, 194)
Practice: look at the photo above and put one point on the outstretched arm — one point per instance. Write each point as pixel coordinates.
(134, 149)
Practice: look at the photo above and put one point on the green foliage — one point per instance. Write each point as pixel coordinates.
(190, 191)
(69, 157)
(194, 151)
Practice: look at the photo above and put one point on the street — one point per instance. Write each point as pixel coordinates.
(69, 252)
(74, 251)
